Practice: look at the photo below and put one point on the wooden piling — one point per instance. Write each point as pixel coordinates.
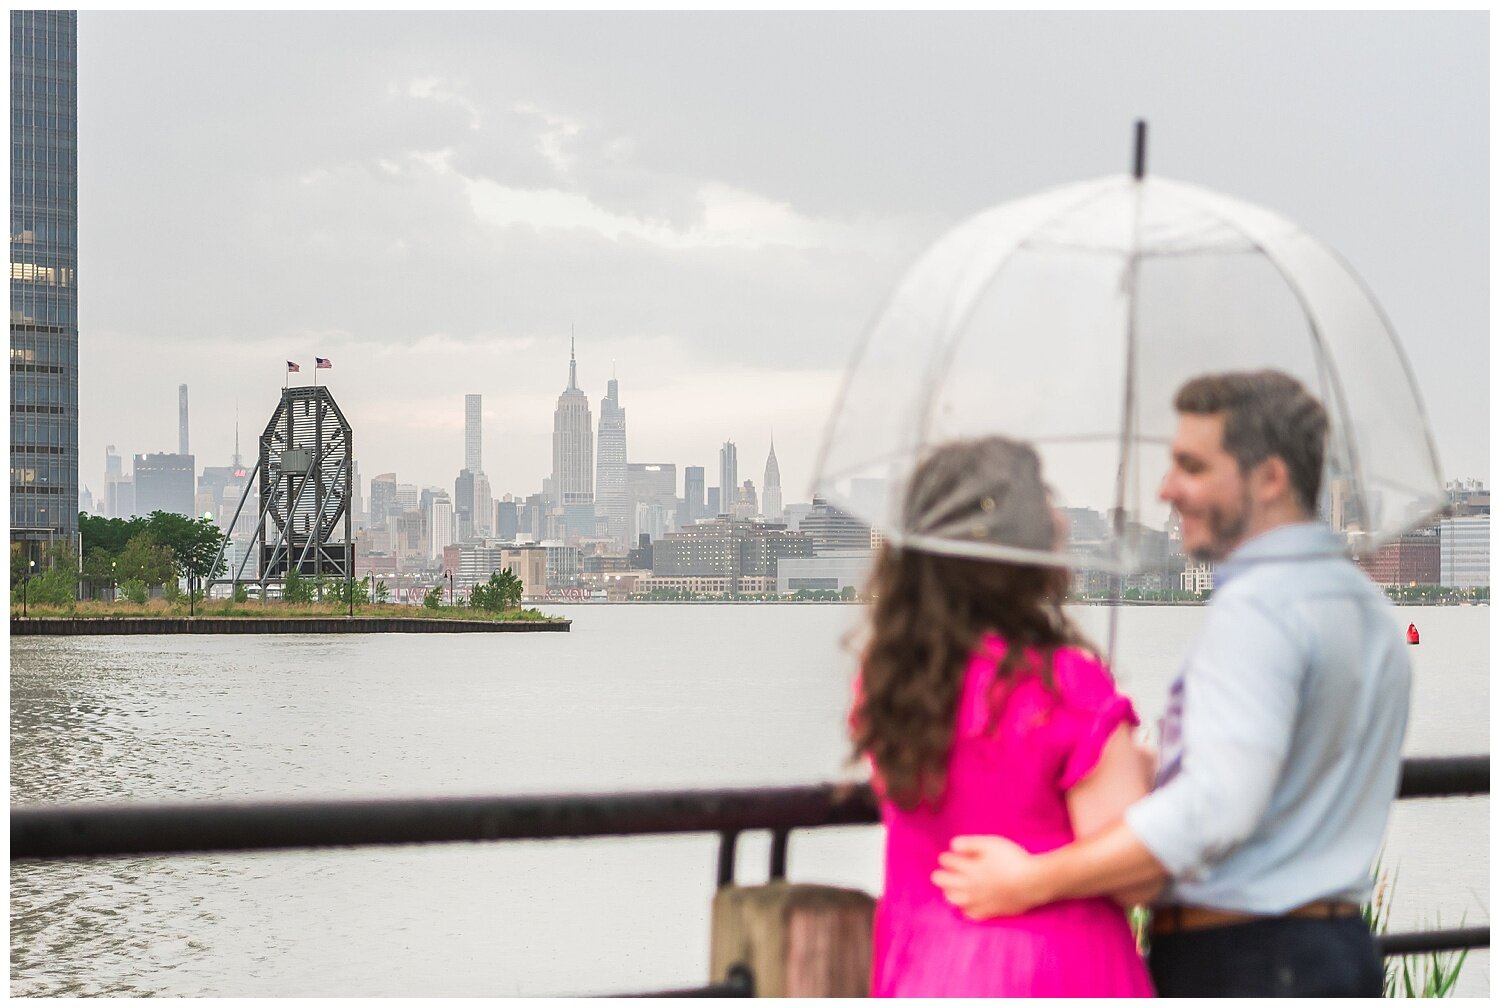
(798, 940)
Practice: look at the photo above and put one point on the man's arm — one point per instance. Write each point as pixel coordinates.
(988, 876)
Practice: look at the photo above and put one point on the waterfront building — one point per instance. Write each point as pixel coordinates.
(612, 504)
(44, 279)
(1467, 497)
(831, 571)
(727, 547)
(771, 500)
(692, 494)
(832, 529)
(729, 479)
(1464, 557)
(1414, 559)
(1198, 577)
(573, 454)
(706, 584)
(164, 482)
(564, 564)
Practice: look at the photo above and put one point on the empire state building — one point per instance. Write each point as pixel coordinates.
(573, 456)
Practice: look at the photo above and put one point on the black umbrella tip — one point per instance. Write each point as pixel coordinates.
(1140, 149)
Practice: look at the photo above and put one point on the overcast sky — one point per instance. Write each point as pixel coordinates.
(718, 204)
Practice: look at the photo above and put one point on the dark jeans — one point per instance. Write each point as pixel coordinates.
(1279, 957)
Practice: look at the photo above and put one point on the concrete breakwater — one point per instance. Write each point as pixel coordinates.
(68, 627)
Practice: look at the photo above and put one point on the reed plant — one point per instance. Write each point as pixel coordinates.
(1420, 975)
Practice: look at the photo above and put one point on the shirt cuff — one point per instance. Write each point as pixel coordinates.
(1156, 824)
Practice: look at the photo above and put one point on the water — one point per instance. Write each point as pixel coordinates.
(637, 697)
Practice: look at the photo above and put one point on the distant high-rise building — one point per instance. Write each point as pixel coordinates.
(745, 503)
(463, 506)
(182, 420)
(114, 476)
(714, 502)
(831, 529)
(610, 496)
(507, 520)
(692, 493)
(771, 501)
(482, 512)
(729, 477)
(164, 482)
(382, 499)
(651, 484)
(43, 278)
(473, 433)
(408, 496)
(573, 455)
(441, 526)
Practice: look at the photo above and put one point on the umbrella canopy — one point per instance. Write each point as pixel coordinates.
(1069, 319)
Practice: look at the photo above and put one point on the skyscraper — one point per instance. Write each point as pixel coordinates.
(692, 493)
(771, 496)
(165, 482)
(573, 455)
(473, 433)
(43, 278)
(182, 420)
(610, 501)
(729, 479)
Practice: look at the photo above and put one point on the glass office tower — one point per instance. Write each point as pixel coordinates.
(43, 280)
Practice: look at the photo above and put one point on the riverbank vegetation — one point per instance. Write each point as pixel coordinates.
(161, 608)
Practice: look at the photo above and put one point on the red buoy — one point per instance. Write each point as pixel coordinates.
(1412, 637)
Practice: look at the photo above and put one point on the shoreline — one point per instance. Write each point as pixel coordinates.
(81, 626)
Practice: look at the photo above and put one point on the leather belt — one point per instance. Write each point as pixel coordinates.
(1166, 920)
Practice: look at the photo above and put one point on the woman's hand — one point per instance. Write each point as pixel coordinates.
(988, 876)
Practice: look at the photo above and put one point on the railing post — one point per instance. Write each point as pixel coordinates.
(797, 940)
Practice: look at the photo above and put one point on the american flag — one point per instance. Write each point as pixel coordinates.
(293, 366)
(323, 362)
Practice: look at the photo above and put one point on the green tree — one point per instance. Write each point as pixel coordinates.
(98, 568)
(240, 594)
(109, 534)
(849, 594)
(382, 591)
(296, 588)
(146, 560)
(434, 598)
(134, 590)
(194, 542)
(501, 592)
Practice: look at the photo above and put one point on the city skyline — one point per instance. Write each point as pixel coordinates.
(492, 188)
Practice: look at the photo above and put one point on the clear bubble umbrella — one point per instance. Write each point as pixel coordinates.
(1069, 318)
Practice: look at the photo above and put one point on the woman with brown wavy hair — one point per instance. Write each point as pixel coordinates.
(983, 710)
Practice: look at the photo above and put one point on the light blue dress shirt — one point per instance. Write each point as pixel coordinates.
(1281, 743)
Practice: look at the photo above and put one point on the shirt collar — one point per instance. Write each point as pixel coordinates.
(1297, 541)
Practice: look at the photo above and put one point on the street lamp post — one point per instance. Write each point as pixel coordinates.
(192, 589)
(449, 576)
(26, 580)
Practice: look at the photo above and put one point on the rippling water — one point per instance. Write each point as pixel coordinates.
(636, 697)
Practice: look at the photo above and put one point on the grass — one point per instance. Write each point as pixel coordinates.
(1429, 974)
(274, 609)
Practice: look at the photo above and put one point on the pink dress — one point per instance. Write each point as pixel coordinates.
(1011, 781)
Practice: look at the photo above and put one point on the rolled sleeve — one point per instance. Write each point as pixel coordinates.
(1239, 707)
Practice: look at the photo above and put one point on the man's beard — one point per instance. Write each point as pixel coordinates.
(1225, 531)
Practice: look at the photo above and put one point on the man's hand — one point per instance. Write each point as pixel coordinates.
(989, 876)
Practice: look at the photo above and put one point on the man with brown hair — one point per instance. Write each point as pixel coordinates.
(1281, 740)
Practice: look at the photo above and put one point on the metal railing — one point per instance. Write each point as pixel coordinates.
(41, 833)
